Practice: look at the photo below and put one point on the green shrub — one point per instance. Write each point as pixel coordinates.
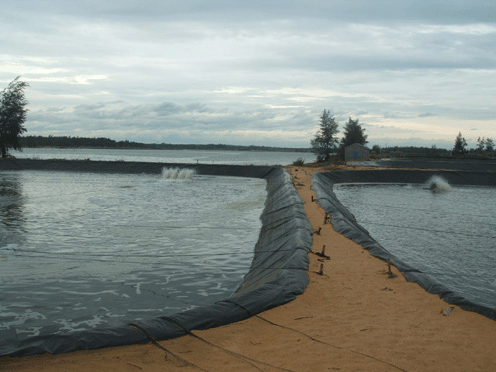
(299, 161)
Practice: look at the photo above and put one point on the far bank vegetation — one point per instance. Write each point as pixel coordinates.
(329, 149)
(106, 143)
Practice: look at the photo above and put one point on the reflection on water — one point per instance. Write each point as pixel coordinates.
(448, 235)
(84, 250)
(11, 207)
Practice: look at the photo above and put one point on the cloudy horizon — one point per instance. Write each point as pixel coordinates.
(414, 73)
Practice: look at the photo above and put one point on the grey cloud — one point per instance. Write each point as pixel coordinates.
(167, 108)
(89, 107)
(169, 114)
(156, 69)
(393, 115)
(358, 113)
(171, 108)
(360, 10)
(410, 141)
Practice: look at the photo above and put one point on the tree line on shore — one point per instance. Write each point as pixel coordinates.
(87, 142)
(484, 146)
(324, 144)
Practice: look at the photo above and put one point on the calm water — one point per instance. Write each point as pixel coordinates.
(449, 235)
(82, 250)
(171, 156)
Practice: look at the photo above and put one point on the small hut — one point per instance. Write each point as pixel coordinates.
(356, 152)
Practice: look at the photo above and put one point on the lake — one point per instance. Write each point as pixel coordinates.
(171, 156)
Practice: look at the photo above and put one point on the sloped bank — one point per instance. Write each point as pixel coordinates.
(276, 276)
(131, 167)
(345, 223)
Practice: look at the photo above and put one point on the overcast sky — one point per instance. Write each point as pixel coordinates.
(254, 72)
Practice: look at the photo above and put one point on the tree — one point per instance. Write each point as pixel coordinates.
(460, 147)
(376, 149)
(325, 141)
(12, 115)
(489, 145)
(481, 143)
(353, 133)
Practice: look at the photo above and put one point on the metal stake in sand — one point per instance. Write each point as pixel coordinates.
(389, 272)
(327, 218)
(323, 253)
(317, 231)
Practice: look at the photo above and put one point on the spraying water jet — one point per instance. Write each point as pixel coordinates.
(178, 173)
(438, 184)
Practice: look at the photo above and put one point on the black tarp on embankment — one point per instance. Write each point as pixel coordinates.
(278, 272)
(460, 164)
(345, 223)
(252, 171)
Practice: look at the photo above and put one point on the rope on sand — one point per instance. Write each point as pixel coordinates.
(154, 342)
(314, 339)
(243, 357)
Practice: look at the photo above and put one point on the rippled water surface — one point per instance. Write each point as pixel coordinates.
(82, 250)
(449, 235)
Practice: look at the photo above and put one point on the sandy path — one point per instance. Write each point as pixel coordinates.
(351, 318)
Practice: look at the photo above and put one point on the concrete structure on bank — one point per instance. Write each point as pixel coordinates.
(356, 152)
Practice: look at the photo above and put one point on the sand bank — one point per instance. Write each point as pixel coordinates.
(353, 317)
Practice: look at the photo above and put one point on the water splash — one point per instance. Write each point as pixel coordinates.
(438, 184)
(177, 173)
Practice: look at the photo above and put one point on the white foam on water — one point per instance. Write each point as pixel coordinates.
(438, 184)
(70, 325)
(83, 280)
(177, 173)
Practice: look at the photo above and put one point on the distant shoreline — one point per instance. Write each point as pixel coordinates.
(186, 147)
(109, 144)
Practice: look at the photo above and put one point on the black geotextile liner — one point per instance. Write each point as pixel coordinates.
(252, 171)
(473, 165)
(278, 272)
(345, 223)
